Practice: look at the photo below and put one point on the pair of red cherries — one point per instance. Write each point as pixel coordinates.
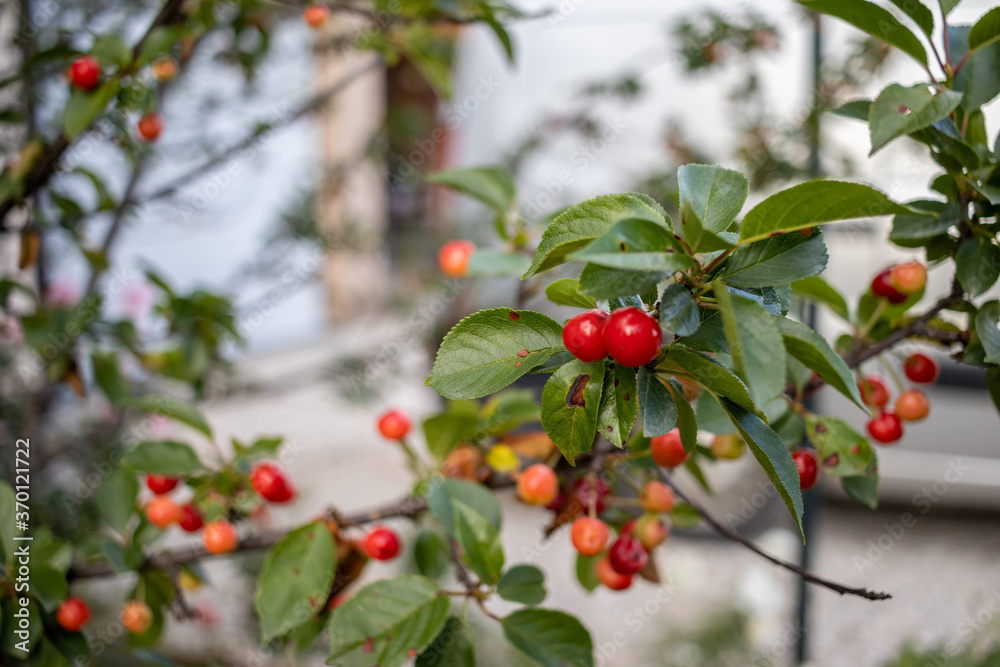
(629, 335)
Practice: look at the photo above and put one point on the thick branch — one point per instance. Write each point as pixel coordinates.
(169, 560)
(792, 567)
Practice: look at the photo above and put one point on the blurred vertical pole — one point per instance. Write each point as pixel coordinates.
(812, 500)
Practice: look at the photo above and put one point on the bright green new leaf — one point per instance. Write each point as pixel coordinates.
(295, 580)
(551, 638)
(566, 292)
(490, 349)
(815, 203)
(577, 226)
(698, 238)
(900, 110)
(571, 402)
(387, 622)
(716, 195)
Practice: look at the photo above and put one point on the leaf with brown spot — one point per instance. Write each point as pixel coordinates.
(570, 404)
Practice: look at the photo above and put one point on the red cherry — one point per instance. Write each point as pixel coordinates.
(268, 480)
(908, 278)
(668, 450)
(874, 393)
(805, 461)
(886, 427)
(394, 425)
(589, 535)
(920, 368)
(316, 15)
(162, 512)
(627, 555)
(882, 287)
(657, 497)
(583, 335)
(161, 484)
(382, 544)
(453, 258)
(85, 72)
(150, 126)
(632, 337)
(191, 519)
(73, 614)
(607, 575)
(912, 405)
(220, 537)
(588, 487)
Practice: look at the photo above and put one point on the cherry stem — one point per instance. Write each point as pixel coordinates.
(792, 567)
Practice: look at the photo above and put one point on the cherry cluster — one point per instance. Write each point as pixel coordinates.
(629, 335)
(85, 73)
(912, 404)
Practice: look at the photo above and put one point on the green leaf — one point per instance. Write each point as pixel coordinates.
(698, 238)
(524, 584)
(920, 226)
(986, 30)
(900, 110)
(863, 488)
(452, 648)
(507, 410)
(711, 417)
(678, 311)
(49, 586)
(872, 19)
(815, 203)
(552, 638)
(635, 245)
(116, 498)
(169, 406)
(977, 265)
(446, 431)
(754, 342)
(716, 195)
(710, 374)
(490, 349)
(773, 456)
(8, 508)
(813, 352)
(988, 329)
(163, 457)
(295, 580)
(111, 51)
(684, 516)
(482, 549)
(497, 263)
(856, 109)
(571, 401)
(442, 492)
(843, 452)
(948, 5)
(84, 106)
(577, 226)
(600, 282)
(387, 621)
(431, 554)
(490, 185)
(618, 404)
(586, 573)
(566, 292)
(979, 78)
(158, 43)
(108, 377)
(687, 421)
(920, 14)
(818, 290)
(659, 413)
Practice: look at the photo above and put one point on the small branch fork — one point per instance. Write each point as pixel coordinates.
(725, 532)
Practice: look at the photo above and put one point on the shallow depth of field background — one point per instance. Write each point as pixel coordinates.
(320, 371)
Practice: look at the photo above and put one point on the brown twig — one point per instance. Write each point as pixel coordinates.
(792, 567)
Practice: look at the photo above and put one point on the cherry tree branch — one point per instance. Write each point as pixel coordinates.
(170, 560)
(792, 567)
